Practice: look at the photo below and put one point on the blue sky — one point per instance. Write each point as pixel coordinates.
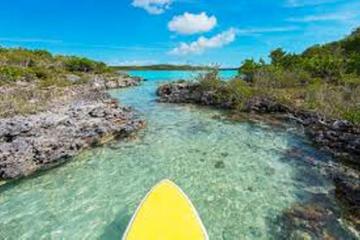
(225, 32)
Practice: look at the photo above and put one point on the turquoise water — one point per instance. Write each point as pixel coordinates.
(176, 75)
(237, 174)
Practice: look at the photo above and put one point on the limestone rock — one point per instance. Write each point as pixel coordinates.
(41, 141)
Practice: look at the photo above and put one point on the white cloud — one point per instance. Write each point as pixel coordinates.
(189, 23)
(253, 31)
(345, 13)
(203, 43)
(304, 3)
(117, 62)
(323, 17)
(153, 6)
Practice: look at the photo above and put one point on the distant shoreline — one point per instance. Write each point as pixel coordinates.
(166, 67)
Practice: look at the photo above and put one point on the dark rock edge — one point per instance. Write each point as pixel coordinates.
(45, 140)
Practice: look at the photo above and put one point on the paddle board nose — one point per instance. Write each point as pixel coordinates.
(166, 213)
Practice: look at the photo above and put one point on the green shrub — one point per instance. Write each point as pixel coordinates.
(210, 80)
(11, 74)
(327, 67)
(277, 56)
(48, 77)
(324, 78)
(277, 77)
(333, 101)
(235, 91)
(351, 44)
(354, 64)
(57, 81)
(352, 80)
(249, 68)
(239, 92)
(352, 115)
(41, 73)
(77, 64)
(42, 54)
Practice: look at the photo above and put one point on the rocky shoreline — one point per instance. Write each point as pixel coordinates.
(337, 137)
(87, 117)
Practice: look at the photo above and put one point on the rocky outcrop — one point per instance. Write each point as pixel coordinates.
(184, 92)
(83, 116)
(265, 105)
(41, 141)
(339, 137)
(114, 81)
(181, 92)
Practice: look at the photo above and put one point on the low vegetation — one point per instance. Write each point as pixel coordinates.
(41, 67)
(235, 91)
(324, 78)
(29, 79)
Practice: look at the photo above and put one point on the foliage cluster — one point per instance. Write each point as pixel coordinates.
(324, 78)
(43, 68)
(31, 79)
(234, 92)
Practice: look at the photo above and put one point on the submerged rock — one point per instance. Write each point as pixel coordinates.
(311, 221)
(224, 155)
(219, 165)
(348, 194)
(341, 140)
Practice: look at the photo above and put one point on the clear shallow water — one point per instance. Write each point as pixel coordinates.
(176, 75)
(237, 175)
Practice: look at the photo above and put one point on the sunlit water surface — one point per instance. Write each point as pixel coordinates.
(237, 175)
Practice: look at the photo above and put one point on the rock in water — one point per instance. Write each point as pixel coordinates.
(219, 165)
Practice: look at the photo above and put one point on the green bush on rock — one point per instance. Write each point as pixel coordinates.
(18, 64)
(324, 78)
(77, 64)
(11, 74)
(30, 79)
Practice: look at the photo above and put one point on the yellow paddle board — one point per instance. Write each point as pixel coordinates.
(166, 213)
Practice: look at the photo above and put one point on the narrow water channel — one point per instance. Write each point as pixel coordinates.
(237, 174)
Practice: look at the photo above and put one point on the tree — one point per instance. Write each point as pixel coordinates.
(277, 56)
(352, 43)
(249, 68)
(354, 64)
